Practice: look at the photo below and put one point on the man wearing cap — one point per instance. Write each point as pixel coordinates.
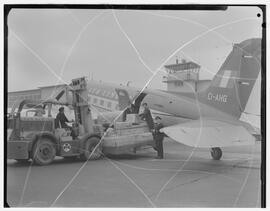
(146, 115)
(61, 119)
(39, 113)
(129, 110)
(158, 137)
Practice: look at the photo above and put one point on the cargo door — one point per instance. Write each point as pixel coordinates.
(123, 98)
(138, 100)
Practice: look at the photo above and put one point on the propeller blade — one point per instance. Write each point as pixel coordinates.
(60, 95)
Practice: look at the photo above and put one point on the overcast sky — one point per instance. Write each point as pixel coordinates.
(47, 44)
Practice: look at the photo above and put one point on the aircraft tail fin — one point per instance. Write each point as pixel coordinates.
(231, 87)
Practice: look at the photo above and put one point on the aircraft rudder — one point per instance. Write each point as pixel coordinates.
(231, 87)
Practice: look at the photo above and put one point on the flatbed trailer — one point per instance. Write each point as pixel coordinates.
(126, 139)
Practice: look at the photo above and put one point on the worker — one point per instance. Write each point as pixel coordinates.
(158, 137)
(146, 115)
(129, 110)
(39, 113)
(61, 119)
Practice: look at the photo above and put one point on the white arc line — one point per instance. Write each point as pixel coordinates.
(132, 181)
(37, 56)
(131, 43)
(245, 181)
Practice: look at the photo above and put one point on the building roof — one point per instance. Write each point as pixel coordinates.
(57, 85)
(182, 66)
(24, 91)
(35, 90)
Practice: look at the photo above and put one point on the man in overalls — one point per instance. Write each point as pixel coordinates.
(146, 115)
(158, 137)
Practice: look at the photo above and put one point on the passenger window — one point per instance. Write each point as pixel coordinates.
(101, 102)
(109, 104)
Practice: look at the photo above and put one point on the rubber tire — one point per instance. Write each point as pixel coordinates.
(89, 145)
(39, 157)
(216, 153)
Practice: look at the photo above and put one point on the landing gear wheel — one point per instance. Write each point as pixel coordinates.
(89, 146)
(216, 153)
(44, 151)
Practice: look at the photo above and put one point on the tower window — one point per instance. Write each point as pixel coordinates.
(188, 76)
(109, 104)
(178, 83)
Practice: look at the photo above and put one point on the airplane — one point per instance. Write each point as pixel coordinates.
(206, 119)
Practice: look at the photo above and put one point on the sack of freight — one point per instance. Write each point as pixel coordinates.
(133, 118)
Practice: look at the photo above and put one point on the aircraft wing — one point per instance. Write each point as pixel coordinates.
(210, 133)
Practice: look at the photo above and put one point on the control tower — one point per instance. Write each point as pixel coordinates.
(184, 77)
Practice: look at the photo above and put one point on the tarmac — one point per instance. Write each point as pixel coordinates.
(186, 177)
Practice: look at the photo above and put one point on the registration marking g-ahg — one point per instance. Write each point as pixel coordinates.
(217, 97)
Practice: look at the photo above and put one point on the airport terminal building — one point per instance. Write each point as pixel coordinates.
(44, 92)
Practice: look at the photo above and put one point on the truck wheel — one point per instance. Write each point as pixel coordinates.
(44, 151)
(89, 146)
(216, 153)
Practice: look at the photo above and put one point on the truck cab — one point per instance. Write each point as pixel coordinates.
(32, 132)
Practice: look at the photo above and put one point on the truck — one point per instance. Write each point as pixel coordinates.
(39, 139)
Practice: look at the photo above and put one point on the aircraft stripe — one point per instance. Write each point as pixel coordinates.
(157, 113)
(225, 78)
(99, 107)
